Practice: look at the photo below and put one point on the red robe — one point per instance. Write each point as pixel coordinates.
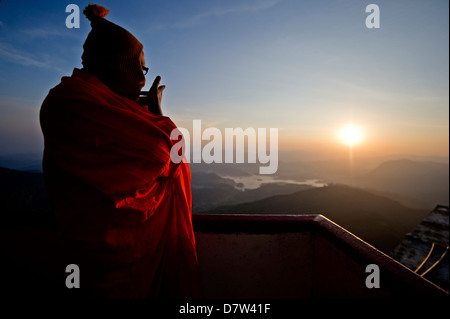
(122, 206)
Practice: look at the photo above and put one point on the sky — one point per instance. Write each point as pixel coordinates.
(307, 68)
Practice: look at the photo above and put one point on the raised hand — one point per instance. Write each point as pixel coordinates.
(152, 98)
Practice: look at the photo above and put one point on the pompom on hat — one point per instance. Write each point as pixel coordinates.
(112, 53)
(93, 10)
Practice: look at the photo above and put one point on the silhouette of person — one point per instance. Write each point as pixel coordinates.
(123, 208)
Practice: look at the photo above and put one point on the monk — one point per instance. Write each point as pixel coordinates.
(123, 208)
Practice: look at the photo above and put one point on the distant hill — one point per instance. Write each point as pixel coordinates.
(378, 220)
(424, 181)
(23, 198)
(417, 182)
(210, 190)
(31, 162)
(21, 190)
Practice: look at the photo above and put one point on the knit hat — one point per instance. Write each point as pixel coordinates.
(112, 54)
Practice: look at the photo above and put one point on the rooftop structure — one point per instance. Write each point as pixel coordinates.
(425, 249)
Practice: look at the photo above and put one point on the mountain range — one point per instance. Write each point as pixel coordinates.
(380, 205)
(427, 182)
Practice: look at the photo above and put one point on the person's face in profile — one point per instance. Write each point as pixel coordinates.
(132, 85)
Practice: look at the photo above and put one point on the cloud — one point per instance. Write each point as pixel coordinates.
(194, 20)
(11, 54)
(224, 11)
(48, 32)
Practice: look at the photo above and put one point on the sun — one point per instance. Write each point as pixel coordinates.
(351, 135)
